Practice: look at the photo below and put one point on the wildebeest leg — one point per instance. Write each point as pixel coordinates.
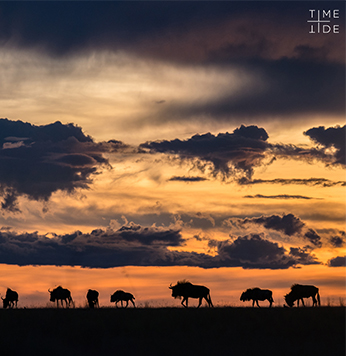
(314, 301)
(127, 303)
(270, 302)
(257, 303)
(208, 299)
(116, 303)
(186, 302)
(122, 305)
(210, 302)
(200, 302)
(133, 303)
(253, 303)
(303, 302)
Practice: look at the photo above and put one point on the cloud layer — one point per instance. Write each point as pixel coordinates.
(136, 245)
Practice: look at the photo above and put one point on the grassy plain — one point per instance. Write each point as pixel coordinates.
(174, 331)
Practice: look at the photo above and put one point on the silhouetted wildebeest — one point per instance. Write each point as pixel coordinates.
(93, 298)
(120, 296)
(61, 294)
(188, 290)
(256, 294)
(298, 292)
(11, 299)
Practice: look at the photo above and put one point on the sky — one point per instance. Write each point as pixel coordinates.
(142, 143)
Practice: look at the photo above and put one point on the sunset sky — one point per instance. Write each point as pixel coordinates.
(147, 142)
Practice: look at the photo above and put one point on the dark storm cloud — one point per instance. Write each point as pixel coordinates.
(280, 196)
(143, 246)
(287, 87)
(339, 261)
(336, 238)
(236, 30)
(313, 237)
(187, 179)
(331, 137)
(300, 79)
(130, 245)
(321, 182)
(256, 252)
(238, 153)
(62, 28)
(337, 241)
(330, 150)
(228, 153)
(49, 158)
(288, 224)
(302, 256)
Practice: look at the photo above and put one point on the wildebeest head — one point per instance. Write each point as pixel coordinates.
(52, 294)
(246, 295)
(289, 299)
(5, 302)
(59, 293)
(179, 289)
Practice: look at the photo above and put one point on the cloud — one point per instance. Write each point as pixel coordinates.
(288, 224)
(282, 87)
(236, 155)
(137, 245)
(187, 179)
(280, 196)
(300, 74)
(50, 158)
(130, 245)
(330, 150)
(182, 31)
(321, 182)
(339, 261)
(313, 237)
(332, 137)
(228, 154)
(254, 251)
(338, 240)
(302, 256)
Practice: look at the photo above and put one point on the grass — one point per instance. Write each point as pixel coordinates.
(174, 331)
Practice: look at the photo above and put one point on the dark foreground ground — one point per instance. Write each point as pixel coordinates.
(174, 331)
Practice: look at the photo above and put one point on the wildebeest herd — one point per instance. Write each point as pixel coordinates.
(183, 289)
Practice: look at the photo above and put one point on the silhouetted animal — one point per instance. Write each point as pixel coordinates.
(188, 290)
(120, 296)
(93, 298)
(11, 299)
(256, 294)
(61, 294)
(298, 292)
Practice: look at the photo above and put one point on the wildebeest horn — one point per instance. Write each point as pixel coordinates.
(170, 286)
(49, 290)
(2, 298)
